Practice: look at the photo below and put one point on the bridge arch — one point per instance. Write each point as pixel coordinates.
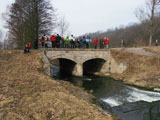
(93, 65)
(65, 66)
(63, 58)
(92, 57)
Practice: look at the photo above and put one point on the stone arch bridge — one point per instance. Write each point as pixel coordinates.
(78, 62)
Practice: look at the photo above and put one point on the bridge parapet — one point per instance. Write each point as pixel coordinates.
(78, 56)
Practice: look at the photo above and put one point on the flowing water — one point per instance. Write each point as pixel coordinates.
(128, 102)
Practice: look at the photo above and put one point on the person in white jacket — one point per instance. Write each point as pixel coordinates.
(72, 41)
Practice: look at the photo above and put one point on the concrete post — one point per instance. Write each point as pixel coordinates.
(78, 70)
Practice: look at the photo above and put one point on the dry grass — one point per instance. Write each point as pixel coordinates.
(142, 71)
(27, 94)
(155, 49)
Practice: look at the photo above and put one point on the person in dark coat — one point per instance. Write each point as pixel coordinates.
(26, 49)
(58, 40)
(101, 43)
(84, 41)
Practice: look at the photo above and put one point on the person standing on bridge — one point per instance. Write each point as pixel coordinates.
(62, 42)
(101, 43)
(90, 42)
(53, 41)
(58, 40)
(95, 42)
(106, 42)
(79, 41)
(45, 41)
(66, 42)
(87, 42)
(72, 41)
(84, 41)
(42, 41)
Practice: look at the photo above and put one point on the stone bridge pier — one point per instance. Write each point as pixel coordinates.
(79, 62)
(78, 70)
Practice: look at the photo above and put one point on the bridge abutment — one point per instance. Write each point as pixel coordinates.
(78, 70)
(105, 68)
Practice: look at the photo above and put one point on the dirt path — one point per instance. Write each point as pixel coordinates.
(139, 51)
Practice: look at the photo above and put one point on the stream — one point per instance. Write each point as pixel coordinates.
(127, 102)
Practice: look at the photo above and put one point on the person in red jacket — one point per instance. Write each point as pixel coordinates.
(29, 46)
(53, 40)
(106, 42)
(42, 41)
(95, 42)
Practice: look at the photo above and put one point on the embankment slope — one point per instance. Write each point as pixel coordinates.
(142, 71)
(27, 94)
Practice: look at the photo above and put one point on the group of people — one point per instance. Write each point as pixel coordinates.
(72, 42)
(102, 42)
(27, 48)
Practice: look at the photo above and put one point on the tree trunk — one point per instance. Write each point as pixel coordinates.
(152, 21)
(150, 39)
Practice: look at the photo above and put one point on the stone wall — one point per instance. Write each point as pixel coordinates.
(115, 67)
(46, 64)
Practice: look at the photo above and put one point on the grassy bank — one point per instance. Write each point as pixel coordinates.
(142, 71)
(154, 49)
(27, 94)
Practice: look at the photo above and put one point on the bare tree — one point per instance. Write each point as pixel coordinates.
(29, 19)
(1, 38)
(1, 45)
(147, 17)
(9, 42)
(0, 35)
(62, 26)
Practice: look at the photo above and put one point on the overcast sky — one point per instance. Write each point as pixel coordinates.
(86, 16)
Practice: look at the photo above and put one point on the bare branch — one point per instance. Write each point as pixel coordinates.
(62, 26)
(148, 15)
